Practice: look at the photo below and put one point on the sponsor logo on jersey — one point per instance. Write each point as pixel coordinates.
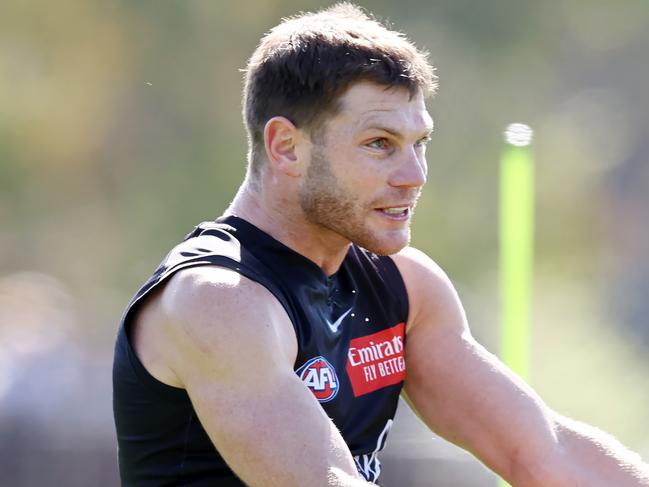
(319, 376)
(377, 360)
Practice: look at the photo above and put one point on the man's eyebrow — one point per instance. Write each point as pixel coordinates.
(427, 131)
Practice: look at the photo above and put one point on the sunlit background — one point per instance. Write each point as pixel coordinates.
(120, 129)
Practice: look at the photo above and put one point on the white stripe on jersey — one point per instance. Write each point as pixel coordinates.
(368, 465)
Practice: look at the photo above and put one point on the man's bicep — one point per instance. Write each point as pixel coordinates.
(234, 355)
(468, 396)
(460, 390)
(272, 433)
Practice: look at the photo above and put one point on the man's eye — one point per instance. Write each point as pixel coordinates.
(422, 142)
(380, 144)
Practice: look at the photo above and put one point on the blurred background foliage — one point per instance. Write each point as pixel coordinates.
(120, 129)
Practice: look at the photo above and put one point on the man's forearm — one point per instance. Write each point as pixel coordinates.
(588, 457)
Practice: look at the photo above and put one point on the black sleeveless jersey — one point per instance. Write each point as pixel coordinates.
(350, 329)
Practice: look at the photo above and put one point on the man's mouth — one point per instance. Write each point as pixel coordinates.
(395, 212)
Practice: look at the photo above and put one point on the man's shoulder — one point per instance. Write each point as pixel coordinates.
(431, 293)
(414, 263)
(210, 311)
(215, 293)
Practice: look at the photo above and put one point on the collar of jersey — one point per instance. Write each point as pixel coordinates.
(257, 241)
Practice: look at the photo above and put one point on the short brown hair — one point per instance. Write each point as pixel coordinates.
(303, 65)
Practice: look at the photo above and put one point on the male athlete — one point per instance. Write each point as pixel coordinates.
(270, 347)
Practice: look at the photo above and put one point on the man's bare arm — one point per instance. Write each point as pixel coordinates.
(468, 396)
(230, 344)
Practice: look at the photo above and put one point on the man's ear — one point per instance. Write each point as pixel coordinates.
(281, 138)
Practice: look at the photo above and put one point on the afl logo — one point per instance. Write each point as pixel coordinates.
(319, 376)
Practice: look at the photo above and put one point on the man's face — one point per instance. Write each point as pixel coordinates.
(366, 173)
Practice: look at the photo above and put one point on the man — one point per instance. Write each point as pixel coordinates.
(271, 346)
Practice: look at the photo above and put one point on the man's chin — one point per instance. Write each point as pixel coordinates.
(388, 250)
(386, 245)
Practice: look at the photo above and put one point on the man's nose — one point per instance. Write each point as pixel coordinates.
(412, 170)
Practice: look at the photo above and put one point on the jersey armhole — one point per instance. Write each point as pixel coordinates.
(395, 275)
(124, 335)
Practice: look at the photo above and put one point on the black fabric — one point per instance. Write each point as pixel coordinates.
(348, 325)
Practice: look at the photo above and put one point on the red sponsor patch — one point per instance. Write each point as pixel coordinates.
(377, 360)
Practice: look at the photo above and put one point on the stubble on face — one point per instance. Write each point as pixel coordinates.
(327, 203)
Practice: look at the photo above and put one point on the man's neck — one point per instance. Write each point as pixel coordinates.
(285, 221)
